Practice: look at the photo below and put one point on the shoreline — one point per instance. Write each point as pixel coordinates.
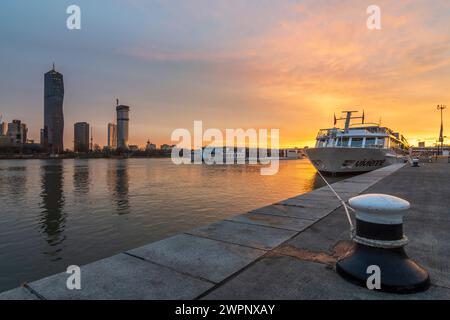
(47, 157)
(202, 263)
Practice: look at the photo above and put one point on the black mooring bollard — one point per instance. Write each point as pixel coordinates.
(379, 241)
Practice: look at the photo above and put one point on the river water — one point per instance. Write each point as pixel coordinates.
(56, 213)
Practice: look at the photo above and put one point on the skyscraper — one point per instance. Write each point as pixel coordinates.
(112, 136)
(53, 111)
(122, 126)
(81, 137)
(24, 132)
(44, 139)
(3, 128)
(17, 132)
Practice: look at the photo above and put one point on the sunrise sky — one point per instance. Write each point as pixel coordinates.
(233, 64)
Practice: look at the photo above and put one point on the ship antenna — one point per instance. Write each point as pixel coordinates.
(53, 66)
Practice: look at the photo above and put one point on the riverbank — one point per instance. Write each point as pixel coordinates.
(283, 251)
(78, 156)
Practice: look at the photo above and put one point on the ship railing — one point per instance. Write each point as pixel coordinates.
(371, 146)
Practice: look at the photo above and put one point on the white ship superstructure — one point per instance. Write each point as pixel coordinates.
(357, 148)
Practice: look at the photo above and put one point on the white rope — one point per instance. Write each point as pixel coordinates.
(410, 160)
(346, 208)
(386, 244)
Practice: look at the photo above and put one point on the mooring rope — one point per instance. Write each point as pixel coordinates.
(346, 207)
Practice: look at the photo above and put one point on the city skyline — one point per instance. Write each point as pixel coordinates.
(289, 65)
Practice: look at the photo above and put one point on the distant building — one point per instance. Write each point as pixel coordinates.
(150, 146)
(133, 147)
(122, 126)
(24, 133)
(17, 132)
(81, 137)
(436, 150)
(112, 136)
(53, 111)
(44, 138)
(421, 144)
(4, 140)
(3, 129)
(165, 147)
(13, 132)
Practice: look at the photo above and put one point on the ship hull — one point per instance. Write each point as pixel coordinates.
(352, 160)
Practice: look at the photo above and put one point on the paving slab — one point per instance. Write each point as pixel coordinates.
(254, 236)
(200, 257)
(427, 249)
(325, 234)
(312, 203)
(312, 214)
(268, 220)
(356, 179)
(283, 277)
(328, 197)
(20, 293)
(123, 277)
(364, 178)
(351, 187)
(328, 193)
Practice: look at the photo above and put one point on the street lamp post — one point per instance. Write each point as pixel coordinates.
(441, 107)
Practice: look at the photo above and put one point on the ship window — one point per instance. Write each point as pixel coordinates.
(370, 142)
(322, 143)
(357, 142)
(343, 142)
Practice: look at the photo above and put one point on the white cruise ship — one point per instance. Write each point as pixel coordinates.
(357, 147)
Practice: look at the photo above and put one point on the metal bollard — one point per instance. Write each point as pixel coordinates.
(379, 241)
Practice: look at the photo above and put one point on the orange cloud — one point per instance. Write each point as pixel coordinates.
(322, 59)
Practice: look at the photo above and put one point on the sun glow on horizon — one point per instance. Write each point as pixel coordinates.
(284, 65)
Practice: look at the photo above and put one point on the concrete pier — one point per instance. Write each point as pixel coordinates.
(287, 250)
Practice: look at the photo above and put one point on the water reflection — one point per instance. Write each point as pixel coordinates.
(81, 179)
(17, 181)
(161, 198)
(118, 185)
(52, 218)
